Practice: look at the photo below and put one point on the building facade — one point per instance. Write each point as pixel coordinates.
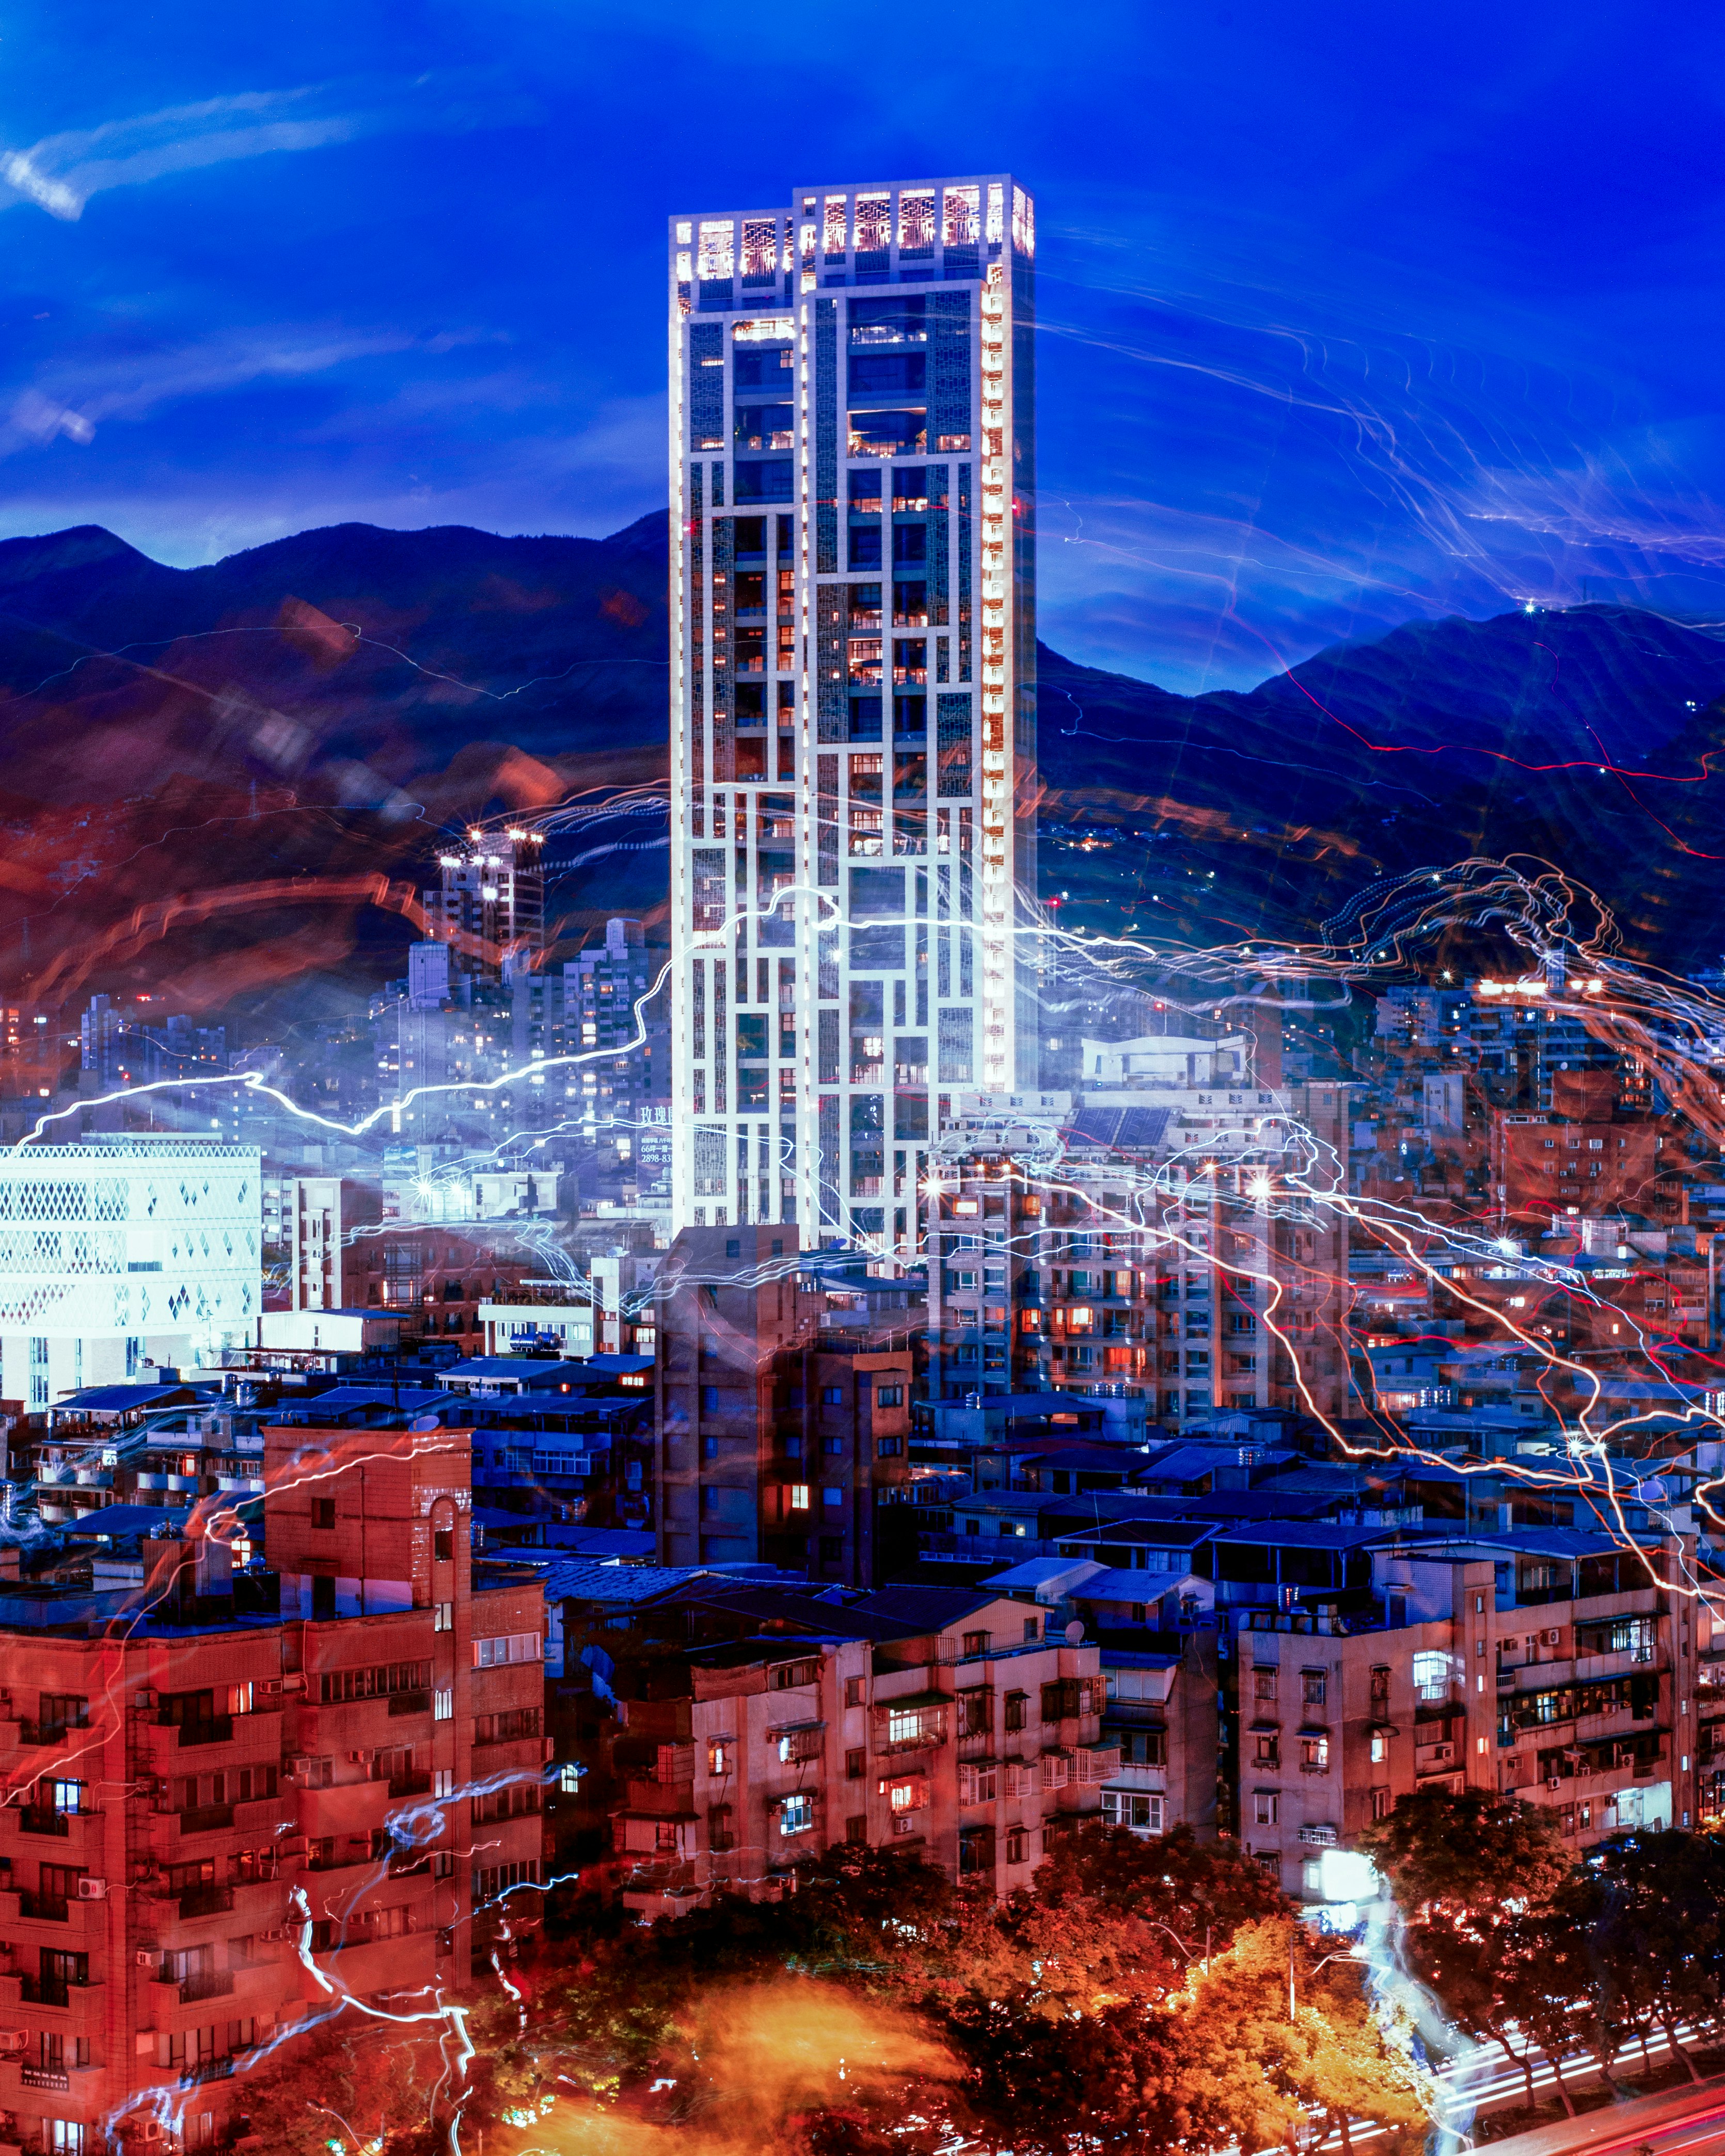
(853, 477)
(124, 1253)
(777, 1440)
(203, 1793)
(964, 1736)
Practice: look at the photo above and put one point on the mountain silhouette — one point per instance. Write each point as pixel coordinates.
(309, 712)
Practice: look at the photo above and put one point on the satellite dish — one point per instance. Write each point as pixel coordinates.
(1074, 1634)
(424, 1422)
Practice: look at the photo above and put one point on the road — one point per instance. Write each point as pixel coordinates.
(1688, 2121)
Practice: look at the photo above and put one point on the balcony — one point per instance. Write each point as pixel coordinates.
(45, 1908)
(201, 1983)
(50, 1990)
(410, 1703)
(44, 2077)
(416, 1784)
(39, 1818)
(205, 1819)
(216, 1729)
(44, 1734)
(206, 1900)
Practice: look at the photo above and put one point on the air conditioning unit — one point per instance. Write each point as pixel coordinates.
(153, 2130)
(1554, 1781)
(278, 1933)
(363, 1757)
(1553, 1637)
(144, 1958)
(147, 1698)
(92, 1890)
(14, 2040)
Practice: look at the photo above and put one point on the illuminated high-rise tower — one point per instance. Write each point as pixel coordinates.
(853, 701)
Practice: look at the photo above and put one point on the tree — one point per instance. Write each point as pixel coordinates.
(1473, 1876)
(356, 2083)
(1650, 1912)
(1467, 1850)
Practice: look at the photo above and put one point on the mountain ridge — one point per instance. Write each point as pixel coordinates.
(420, 679)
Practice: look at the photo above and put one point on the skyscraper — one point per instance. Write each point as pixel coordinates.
(853, 480)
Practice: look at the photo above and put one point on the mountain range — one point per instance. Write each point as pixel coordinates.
(224, 782)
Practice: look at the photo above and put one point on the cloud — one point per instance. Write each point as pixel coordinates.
(82, 393)
(61, 172)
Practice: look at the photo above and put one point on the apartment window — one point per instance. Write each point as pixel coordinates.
(975, 1643)
(443, 1705)
(976, 1711)
(720, 1756)
(1267, 1749)
(890, 1396)
(443, 1783)
(1382, 1802)
(1314, 1687)
(1431, 1673)
(1142, 1814)
(1018, 1846)
(856, 1765)
(908, 1726)
(1266, 1807)
(787, 1676)
(1315, 1755)
(796, 1816)
(1017, 1709)
(855, 1690)
(443, 1545)
(721, 1831)
(323, 1511)
(831, 1396)
(1380, 1747)
(443, 1617)
(1264, 1684)
(1380, 1685)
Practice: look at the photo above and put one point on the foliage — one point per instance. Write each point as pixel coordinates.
(1133, 2001)
(370, 2085)
(1468, 1851)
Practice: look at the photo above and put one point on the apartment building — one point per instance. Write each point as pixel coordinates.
(489, 902)
(1543, 1663)
(325, 1219)
(1177, 1244)
(853, 487)
(197, 1788)
(1161, 1712)
(931, 1720)
(776, 1435)
(135, 1252)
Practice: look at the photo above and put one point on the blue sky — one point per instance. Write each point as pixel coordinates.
(1351, 314)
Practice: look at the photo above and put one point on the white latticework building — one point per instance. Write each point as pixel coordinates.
(120, 1253)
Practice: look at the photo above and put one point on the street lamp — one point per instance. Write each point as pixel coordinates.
(1185, 1951)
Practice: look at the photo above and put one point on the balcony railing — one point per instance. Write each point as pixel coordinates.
(416, 1784)
(48, 1990)
(206, 2070)
(202, 1819)
(45, 1733)
(417, 1702)
(44, 1908)
(213, 1729)
(208, 1900)
(42, 1819)
(43, 2078)
(200, 1983)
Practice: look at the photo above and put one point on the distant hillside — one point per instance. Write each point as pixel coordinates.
(304, 714)
(1580, 737)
